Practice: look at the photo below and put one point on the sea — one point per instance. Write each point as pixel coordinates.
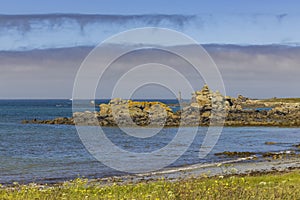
(52, 153)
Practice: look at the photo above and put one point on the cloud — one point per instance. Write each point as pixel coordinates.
(26, 23)
(28, 32)
(261, 71)
(255, 71)
(281, 16)
(19, 32)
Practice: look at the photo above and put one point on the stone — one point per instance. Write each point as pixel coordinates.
(206, 107)
(105, 109)
(206, 114)
(195, 105)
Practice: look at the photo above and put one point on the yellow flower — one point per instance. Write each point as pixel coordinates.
(262, 183)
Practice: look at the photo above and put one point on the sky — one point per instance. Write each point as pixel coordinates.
(255, 44)
(148, 7)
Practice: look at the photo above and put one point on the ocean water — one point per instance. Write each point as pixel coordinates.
(51, 153)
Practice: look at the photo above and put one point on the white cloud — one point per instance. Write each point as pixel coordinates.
(255, 71)
(28, 32)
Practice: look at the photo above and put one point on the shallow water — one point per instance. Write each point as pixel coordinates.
(49, 153)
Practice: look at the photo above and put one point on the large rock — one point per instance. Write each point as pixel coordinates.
(128, 112)
(105, 109)
(206, 107)
(202, 97)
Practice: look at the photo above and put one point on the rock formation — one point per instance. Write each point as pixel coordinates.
(205, 108)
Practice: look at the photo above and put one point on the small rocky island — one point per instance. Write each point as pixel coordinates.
(206, 107)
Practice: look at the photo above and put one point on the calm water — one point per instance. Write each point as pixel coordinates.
(47, 153)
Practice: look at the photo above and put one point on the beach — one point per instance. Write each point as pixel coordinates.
(227, 180)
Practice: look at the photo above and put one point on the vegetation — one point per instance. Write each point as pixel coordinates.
(268, 186)
(283, 100)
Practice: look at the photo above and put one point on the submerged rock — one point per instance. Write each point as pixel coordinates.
(297, 146)
(279, 155)
(270, 143)
(235, 154)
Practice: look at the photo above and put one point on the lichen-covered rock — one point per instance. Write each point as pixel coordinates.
(206, 107)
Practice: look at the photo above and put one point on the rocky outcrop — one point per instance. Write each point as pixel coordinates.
(205, 108)
(129, 113)
(60, 120)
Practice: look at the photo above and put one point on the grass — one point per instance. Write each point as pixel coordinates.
(283, 100)
(269, 186)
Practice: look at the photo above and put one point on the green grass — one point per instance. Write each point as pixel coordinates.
(284, 100)
(272, 186)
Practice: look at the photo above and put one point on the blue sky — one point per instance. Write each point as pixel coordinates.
(45, 51)
(153, 6)
(253, 22)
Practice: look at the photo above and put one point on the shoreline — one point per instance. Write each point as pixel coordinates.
(237, 167)
(173, 126)
(271, 183)
(245, 166)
